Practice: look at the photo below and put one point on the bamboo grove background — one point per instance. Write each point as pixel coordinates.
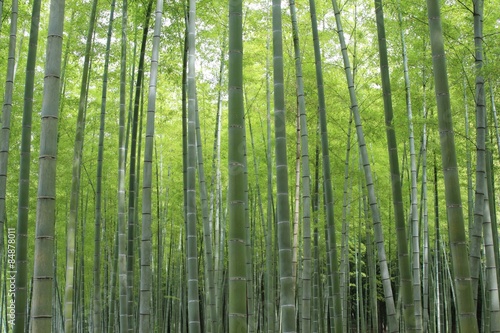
(207, 166)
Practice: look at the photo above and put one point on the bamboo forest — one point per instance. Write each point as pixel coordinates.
(193, 166)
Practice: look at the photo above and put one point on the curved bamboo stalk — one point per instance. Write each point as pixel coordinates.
(372, 199)
(327, 182)
(412, 315)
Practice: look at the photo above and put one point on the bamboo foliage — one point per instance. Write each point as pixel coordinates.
(222, 259)
(1, 11)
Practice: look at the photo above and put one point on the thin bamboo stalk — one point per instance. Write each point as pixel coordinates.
(379, 239)
(75, 180)
(122, 239)
(24, 177)
(6, 120)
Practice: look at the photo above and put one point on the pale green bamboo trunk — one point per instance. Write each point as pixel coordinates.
(191, 230)
(122, 222)
(207, 245)
(24, 176)
(214, 194)
(414, 218)
(344, 266)
(43, 273)
(270, 270)
(146, 287)
(491, 279)
(287, 295)
(306, 180)
(456, 231)
(428, 321)
(479, 207)
(6, 115)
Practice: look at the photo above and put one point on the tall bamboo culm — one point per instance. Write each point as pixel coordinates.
(236, 195)
(122, 222)
(6, 115)
(146, 238)
(305, 322)
(287, 294)
(414, 218)
(43, 273)
(191, 244)
(456, 227)
(24, 176)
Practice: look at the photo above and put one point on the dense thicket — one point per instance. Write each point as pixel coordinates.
(262, 167)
